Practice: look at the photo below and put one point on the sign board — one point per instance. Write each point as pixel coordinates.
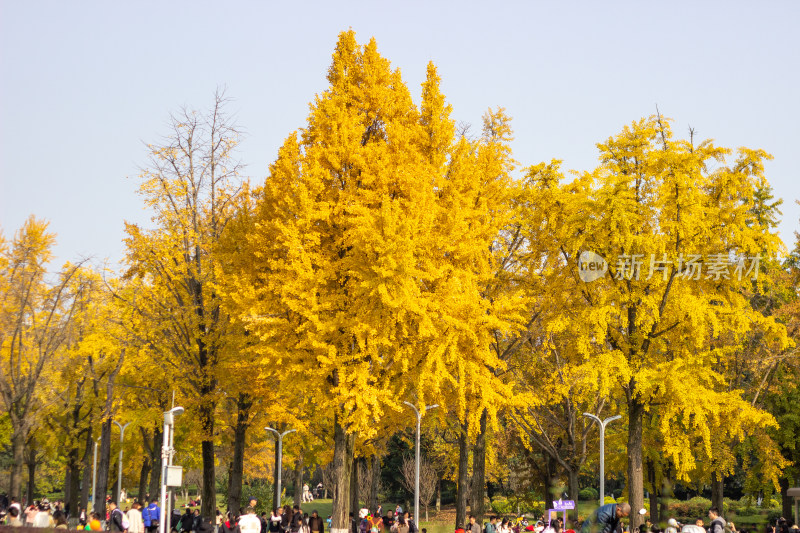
(174, 476)
(564, 505)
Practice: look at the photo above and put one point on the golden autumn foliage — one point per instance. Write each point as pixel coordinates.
(675, 223)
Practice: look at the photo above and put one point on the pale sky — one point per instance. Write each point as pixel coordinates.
(84, 84)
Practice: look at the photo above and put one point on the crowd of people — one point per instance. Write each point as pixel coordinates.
(145, 518)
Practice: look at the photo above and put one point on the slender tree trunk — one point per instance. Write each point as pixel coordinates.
(375, 472)
(665, 493)
(68, 477)
(243, 405)
(31, 479)
(786, 501)
(651, 477)
(717, 488)
(103, 467)
(209, 501)
(298, 479)
(574, 489)
(144, 472)
(154, 489)
(549, 473)
(72, 487)
(88, 456)
(463, 477)
(478, 507)
(354, 499)
(17, 461)
(438, 495)
(635, 473)
(343, 448)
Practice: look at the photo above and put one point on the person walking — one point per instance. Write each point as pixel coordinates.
(43, 517)
(717, 522)
(474, 526)
(315, 523)
(115, 519)
(296, 524)
(249, 522)
(186, 521)
(14, 519)
(151, 516)
(606, 518)
(135, 522)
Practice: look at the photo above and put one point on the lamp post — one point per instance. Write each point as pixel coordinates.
(416, 458)
(121, 438)
(94, 473)
(279, 436)
(166, 460)
(603, 424)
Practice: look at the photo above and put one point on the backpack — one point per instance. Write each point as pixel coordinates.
(153, 519)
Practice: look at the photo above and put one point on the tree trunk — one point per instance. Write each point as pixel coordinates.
(654, 493)
(144, 472)
(354, 493)
(478, 507)
(298, 480)
(343, 447)
(635, 473)
(154, 489)
(31, 480)
(665, 492)
(438, 495)
(72, 487)
(572, 481)
(208, 505)
(463, 477)
(17, 462)
(787, 503)
(717, 488)
(103, 467)
(549, 474)
(68, 477)
(88, 456)
(375, 472)
(243, 405)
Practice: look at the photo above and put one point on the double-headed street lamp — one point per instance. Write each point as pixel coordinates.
(279, 437)
(602, 451)
(416, 459)
(121, 438)
(166, 460)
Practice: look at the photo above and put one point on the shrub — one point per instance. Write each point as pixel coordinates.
(588, 494)
(690, 510)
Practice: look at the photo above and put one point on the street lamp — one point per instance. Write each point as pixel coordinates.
(279, 437)
(416, 460)
(119, 477)
(603, 424)
(94, 473)
(166, 460)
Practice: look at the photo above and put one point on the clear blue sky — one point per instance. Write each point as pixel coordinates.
(85, 83)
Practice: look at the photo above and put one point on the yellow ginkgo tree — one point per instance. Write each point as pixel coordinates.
(648, 261)
(365, 267)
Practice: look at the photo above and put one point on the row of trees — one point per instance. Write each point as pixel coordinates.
(391, 256)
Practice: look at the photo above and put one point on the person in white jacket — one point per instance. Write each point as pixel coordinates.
(135, 522)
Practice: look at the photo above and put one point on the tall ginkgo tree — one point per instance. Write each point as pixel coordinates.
(350, 277)
(649, 261)
(190, 185)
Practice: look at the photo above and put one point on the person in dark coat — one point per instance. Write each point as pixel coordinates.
(186, 521)
(316, 524)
